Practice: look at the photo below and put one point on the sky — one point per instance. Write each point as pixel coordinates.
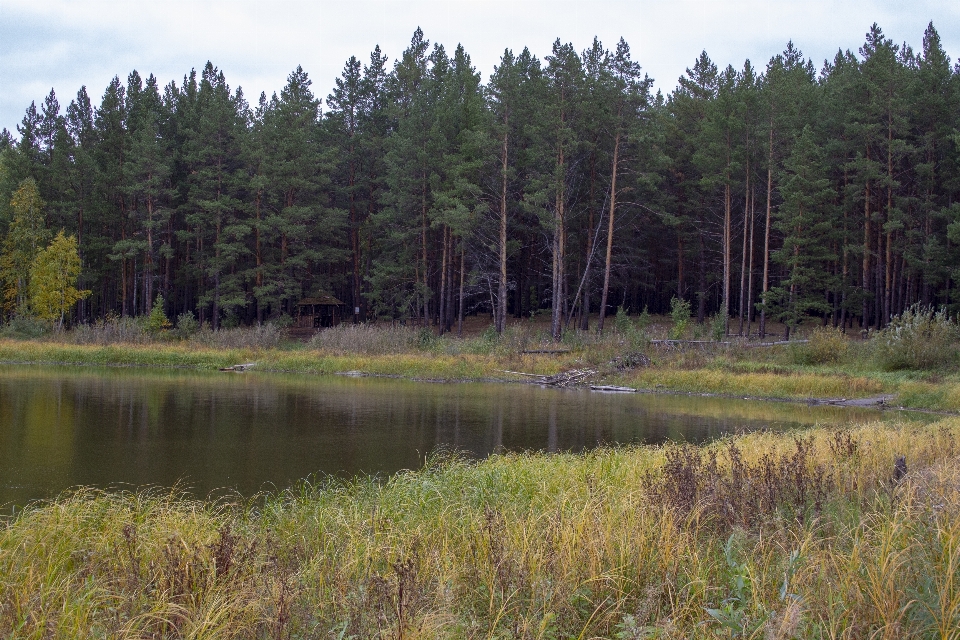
(64, 44)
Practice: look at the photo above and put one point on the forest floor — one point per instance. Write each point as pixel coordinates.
(819, 533)
(837, 370)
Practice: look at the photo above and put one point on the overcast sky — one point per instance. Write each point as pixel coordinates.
(64, 44)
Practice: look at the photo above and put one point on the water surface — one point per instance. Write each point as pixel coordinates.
(107, 427)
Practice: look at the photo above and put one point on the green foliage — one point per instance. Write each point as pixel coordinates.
(680, 315)
(186, 326)
(826, 345)
(25, 238)
(621, 322)
(25, 325)
(718, 327)
(53, 279)
(397, 191)
(644, 319)
(157, 321)
(919, 338)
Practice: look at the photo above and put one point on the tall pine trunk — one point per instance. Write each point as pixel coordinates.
(613, 208)
(501, 319)
(766, 240)
(743, 261)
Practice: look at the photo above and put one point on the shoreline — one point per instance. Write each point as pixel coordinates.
(516, 539)
(445, 368)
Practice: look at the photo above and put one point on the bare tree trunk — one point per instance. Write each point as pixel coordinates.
(613, 208)
(423, 238)
(148, 259)
(865, 276)
(354, 240)
(588, 255)
(258, 255)
(743, 261)
(727, 241)
(443, 282)
(766, 240)
(558, 245)
(701, 271)
(753, 203)
(501, 318)
(463, 253)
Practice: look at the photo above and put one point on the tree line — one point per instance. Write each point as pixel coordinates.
(564, 186)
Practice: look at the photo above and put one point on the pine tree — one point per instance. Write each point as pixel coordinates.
(302, 232)
(213, 207)
(629, 97)
(400, 280)
(806, 221)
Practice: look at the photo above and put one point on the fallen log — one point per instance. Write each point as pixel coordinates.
(608, 387)
(240, 367)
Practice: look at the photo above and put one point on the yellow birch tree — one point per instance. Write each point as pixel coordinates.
(53, 279)
(25, 237)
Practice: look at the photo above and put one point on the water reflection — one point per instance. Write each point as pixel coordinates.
(61, 427)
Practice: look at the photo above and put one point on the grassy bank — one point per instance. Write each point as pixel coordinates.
(764, 536)
(829, 365)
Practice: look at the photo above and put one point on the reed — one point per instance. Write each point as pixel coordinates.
(765, 535)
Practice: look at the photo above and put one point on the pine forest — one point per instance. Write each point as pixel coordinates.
(788, 192)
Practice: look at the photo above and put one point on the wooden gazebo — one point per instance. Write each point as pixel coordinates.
(319, 312)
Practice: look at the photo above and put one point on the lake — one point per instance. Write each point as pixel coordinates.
(61, 427)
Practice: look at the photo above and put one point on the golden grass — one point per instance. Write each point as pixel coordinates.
(788, 385)
(528, 546)
(729, 370)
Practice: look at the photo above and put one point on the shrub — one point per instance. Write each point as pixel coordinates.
(187, 325)
(680, 315)
(919, 338)
(622, 323)
(23, 325)
(157, 321)
(110, 330)
(644, 319)
(718, 327)
(826, 345)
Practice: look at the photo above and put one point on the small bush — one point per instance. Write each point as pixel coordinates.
(187, 325)
(644, 320)
(23, 325)
(157, 321)
(736, 492)
(919, 338)
(680, 315)
(826, 345)
(622, 323)
(718, 327)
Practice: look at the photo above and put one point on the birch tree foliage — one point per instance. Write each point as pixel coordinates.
(25, 236)
(53, 279)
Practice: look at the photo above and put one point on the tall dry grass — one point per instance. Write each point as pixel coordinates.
(764, 535)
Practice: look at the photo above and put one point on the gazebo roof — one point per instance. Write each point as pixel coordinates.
(320, 300)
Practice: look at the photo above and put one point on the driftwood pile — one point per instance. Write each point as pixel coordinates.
(562, 379)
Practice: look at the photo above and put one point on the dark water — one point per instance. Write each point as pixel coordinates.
(62, 427)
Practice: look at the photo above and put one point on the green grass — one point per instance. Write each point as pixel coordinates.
(829, 366)
(758, 536)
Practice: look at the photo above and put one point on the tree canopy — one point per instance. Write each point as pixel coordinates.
(561, 186)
